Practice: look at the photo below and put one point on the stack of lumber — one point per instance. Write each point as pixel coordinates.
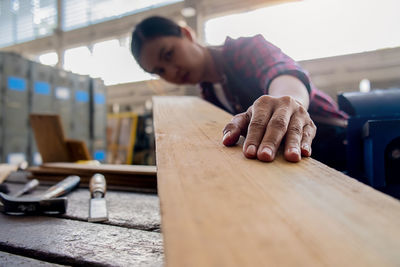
(125, 177)
(220, 209)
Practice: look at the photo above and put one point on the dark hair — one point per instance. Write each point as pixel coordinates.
(150, 28)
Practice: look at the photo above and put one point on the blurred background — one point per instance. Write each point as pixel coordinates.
(72, 57)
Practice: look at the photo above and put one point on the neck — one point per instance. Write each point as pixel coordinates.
(210, 73)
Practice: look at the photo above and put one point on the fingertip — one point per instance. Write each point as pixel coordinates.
(306, 150)
(265, 154)
(293, 154)
(230, 138)
(250, 151)
(226, 136)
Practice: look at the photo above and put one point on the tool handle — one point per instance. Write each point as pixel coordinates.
(27, 188)
(97, 185)
(62, 188)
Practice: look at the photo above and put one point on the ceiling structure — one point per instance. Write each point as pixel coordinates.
(121, 27)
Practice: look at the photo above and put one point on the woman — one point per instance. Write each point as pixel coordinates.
(249, 77)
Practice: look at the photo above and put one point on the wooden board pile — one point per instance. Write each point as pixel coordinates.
(125, 177)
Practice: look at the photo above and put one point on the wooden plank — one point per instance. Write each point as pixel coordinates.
(49, 136)
(77, 150)
(7, 259)
(130, 210)
(220, 209)
(79, 243)
(119, 169)
(140, 178)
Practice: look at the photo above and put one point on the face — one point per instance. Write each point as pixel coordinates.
(177, 60)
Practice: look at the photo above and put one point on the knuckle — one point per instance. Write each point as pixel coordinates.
(279, 122)
(261, 101)
(245, 115)
(302, 111)
(287, 100)
(257, 124)
(295, 129)
(306, 135)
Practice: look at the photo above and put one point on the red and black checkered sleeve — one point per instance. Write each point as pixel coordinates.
(258, 57)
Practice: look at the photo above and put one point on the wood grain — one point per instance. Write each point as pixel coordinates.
(49, 136)
(220, 209)
(79, 243)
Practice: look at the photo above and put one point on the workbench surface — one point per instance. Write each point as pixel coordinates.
(131, 237)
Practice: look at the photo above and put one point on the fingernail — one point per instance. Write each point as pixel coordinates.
(251, 150)
(226, 135)
(294, 150)
(267, 151)
(306, 147)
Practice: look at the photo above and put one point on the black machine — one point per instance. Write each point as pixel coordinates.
(373, 138)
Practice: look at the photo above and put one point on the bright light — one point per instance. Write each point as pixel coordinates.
(110, 60)
(49, 59)
(315, 28)
(78, 60)
(114, 63)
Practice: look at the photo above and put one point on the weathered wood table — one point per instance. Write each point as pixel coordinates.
(131, 237)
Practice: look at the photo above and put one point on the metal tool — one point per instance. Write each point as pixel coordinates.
(98, 205)
(32, 206)
(4, 188)
(27, 188)
(62, 188)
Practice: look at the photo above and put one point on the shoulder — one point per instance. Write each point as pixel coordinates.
(246, 46)
(241, 42)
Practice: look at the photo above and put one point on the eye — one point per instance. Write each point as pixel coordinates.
(168, 55)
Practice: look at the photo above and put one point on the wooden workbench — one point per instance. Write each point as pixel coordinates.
(221, 209)
(131, 237)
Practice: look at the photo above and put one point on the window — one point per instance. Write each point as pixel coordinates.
(81, 13)
(23, 20)
(110, 60)
(314, 28)
(50, 59)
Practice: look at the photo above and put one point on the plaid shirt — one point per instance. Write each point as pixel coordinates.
(249, 64)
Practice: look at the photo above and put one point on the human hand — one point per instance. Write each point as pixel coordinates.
(266, 123)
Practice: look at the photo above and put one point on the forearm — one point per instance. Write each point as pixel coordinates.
(288, 85)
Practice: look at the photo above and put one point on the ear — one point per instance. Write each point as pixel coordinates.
(188, 33)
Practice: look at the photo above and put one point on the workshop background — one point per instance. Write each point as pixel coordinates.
(72, 58)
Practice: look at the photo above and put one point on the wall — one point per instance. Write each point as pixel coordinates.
(338, 74)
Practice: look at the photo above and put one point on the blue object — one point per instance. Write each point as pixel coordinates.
(81, 96)
(373, 124)
(99, 99)
(42, 88)
(99, 155)
(378, 151)
(16, 83)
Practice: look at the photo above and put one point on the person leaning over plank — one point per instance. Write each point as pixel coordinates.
(250, 77)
